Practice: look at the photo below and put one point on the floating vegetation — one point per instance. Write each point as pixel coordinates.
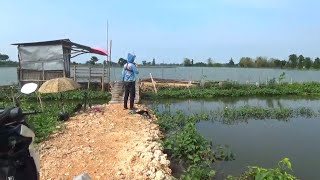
(237, 90)
(183, 141)
(250, 112)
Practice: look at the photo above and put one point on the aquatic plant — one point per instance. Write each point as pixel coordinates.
(259, 173)
(184, 142)
(189, 145)
(198, 172)
(237, 90)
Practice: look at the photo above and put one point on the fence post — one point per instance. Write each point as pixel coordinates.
(75, 72)
(89, 77)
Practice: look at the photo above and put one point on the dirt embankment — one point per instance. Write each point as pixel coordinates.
(106, 143)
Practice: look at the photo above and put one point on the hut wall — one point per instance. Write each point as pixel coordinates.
(38, 76)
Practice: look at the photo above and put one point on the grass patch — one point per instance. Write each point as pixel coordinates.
(46, 123)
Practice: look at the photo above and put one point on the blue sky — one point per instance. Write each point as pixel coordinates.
(168, 30)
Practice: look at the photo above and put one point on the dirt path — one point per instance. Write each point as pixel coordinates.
(107, 144)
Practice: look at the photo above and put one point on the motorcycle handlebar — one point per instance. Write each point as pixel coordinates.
(31, 113)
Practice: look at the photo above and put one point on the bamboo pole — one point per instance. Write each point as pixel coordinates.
(154, 84)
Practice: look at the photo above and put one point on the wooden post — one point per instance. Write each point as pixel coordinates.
(102, 79)
(42, 71)
(89, 77)
(154, 84)
(64, 72)
(75, 72)
(64, 64)
(39, 97)
(20, 68)
(189, 84)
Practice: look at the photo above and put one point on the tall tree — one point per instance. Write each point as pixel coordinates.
(308, 62)
(246, 62)
(153, 62)
(316, 63)
(276, 63)
(283, 63)
(293, 60)
(187, 62)
(231, 63)
(3, 57)
(122, 62)
(210, 62)
(261, 62)
(300, 62)
(93, 60)
(144, 63)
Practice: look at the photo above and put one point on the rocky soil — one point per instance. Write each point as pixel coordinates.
(107, 143)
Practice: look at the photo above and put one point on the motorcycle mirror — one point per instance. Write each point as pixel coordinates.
(29, 88)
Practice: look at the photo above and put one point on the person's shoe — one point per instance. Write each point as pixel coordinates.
(125, 108)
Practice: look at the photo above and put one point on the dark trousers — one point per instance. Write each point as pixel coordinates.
(129, 88)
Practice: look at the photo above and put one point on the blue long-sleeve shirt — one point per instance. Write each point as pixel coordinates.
(128, 72)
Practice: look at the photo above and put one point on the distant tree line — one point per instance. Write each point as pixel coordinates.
(293, 62)
(6, 62)
(210, 63)
(94, 61)
(123, 61)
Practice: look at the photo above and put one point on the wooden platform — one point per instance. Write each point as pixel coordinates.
(117, 92)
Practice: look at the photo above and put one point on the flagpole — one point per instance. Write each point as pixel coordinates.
(108, 49)
(108, 68)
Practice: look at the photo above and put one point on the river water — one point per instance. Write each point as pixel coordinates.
(8, 75)
(261, 142)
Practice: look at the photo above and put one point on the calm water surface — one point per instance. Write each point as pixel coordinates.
(261, 142)
(9, 75)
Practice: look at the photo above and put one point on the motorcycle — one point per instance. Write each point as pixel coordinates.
(18, 157)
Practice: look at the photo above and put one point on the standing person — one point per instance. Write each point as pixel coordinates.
(129, 79)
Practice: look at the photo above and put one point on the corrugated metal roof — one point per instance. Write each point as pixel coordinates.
(59, 41)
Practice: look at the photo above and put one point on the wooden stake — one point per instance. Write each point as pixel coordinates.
(39, 97)
(154, 84)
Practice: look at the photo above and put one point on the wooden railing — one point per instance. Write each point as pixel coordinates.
(89, 74)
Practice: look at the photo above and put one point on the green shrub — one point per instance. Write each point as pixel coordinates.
(259, 173)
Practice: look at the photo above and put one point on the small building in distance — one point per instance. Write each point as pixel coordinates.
(42, 61)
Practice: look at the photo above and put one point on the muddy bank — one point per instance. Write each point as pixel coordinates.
(106, 143)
